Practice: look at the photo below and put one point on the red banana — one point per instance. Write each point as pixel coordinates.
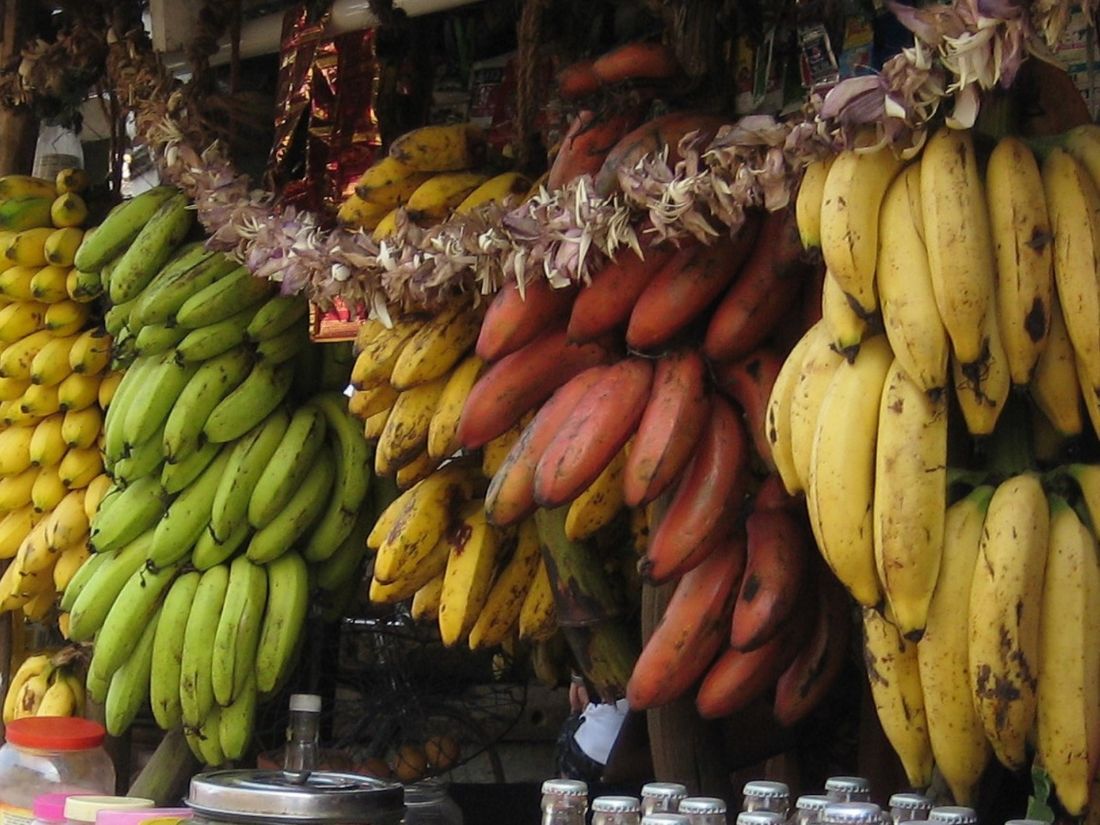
(769, 285)
(586, 145)
(514, 320)
(808, 678)
(685, 288)
(691, 631)
(772, 495)
(774, 572)
(520, 382)
(577, 80)
(670, 428)
(635, 61)
(707, 499)
(601, 423)
(605, 304)
(749, 383)
(511, 494)
(650, 138)
(737, 678)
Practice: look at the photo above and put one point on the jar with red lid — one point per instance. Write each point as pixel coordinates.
(50, 754)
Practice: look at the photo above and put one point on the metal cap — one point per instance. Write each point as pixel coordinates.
(911, 802)
(616, 805)
(847, 785)
(702, 805)
(565, 787)
(1025, 822)
(858, 813)
(813, 802)
(760, 818)
(664, 790)
(308, 702)
(666, 819)
(267, 796)
(955, 814)
(766, 790)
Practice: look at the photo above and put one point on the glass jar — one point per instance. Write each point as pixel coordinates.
(144, 816)
(51, 754)
(704, 810)
(662, 797)
(954, 814)
(1025, 822)
(766, 796)
(564, 802)
(665, 818)
(79, 809)
(428, 803)
(852, 813)
(760, 818)
(848, 789)
(616, 810)
(909, 807)
(810, 808)
(49, 808)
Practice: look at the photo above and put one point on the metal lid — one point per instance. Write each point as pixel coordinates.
(664, 790)
(702, 805)
(1025, 822)
(267, 796)
(565, 787)
(308, 702)
(956, 814)
(426, 791)
(616, 805)
(766, 790)
(665, 819)
(847, 784)
(760, 818)
(813, 802)
(911, 802)
(852, 812)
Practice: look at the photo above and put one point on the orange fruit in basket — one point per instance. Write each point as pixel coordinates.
(410, 764)
(375, 767)
(442, 752)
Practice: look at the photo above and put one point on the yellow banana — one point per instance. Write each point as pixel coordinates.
(28, 248)
(81, 428)
(364, 403)
(425, 604)
(61, 246)
(79, 467)
(14, 528)
(815, 372)
(807, 204)
(356, 213)
(16, 357)
(778, 416)
(68, 209)
(538, 618)
(846, 328)
(47, 444)
(416, 470)
(505, 188)
(597, 506)
(436, 347)
(388, 225)
(443, 148)
(1054, 386)
(68, 562)
(30, 692)
(105, 390)
(15, 282)
(505, 601)
(49, 284)
(94, 493)
(444, 424)
(388, 183)
(66, 317)
(473, 554)
(72, 180)
(79, 391)
(47, 492)
(51, 365)
(982, 387)
(68, 524)
(15, 490)
(16, 186)
(373, 426)
(58, 700)
(40, 401)
(374, 364)
(12, 388)
(406, 432)
(19, 319)
(438, 196)
(427, 568)
(91, 352)
(496, 449)
(15, 449)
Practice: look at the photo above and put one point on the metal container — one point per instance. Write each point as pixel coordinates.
(255, 797)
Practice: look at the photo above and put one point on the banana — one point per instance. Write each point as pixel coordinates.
(276, 316)
(505, 600)
(47, 491)
(416, 470)
(145, 459)
(133, 611)
(244, 467)
(68, 209)
(436, 347)
(105, 392)
(72, 180)
(342, 566)
(1005, 605)
(846, 328)
(1068, 678)
(250, 402)
(507, 187)
(373, 426)
(116, 321)
(237, 721)
(15, 283)
(83, 286)
(12, 389)
(197, 654)
(149, 407)
(95, 493)
(284, 346)
(425, 604)
(15, 491)
(288, 466)
(49, 284)
(406, 432)
(66, 317)
(68, 524)
(39, 401)
(14, 527)
(375, 361)
(90, 352)
(178, 476)
(79, 467)
(151, 248)
(362, 404)
(208, 551)
(209, 734)
(440, 194)
(388, 183)
(437, 148)
(187, 516)
(59, 699)
(16, 357)
(909, 313)
(155, 339)
(223, 299)
(432, 565)
(287, 603)
(599, 503)
(69, 561)
(80, 579)
(81, 428)
(213, 339)
(28, 248)
(300, 512)
(982, 388)
(29, 697)
(538, 618)
(15, 449)
(164, 675)
(777, 417)
(19, 319)
(840, 489)
(114, 444)
(61, 246)
(807, 205)
(28, 669)
(129, 686)
(78, 392)
(136, 509)
(192, 271)
(211, 383)
(444, 422)
(97, 595)
(961, 259)
(849, 220)
(238, 629)
(473, 554)
(15, 186)
(388, 225)
(894, 675)
(51, 365)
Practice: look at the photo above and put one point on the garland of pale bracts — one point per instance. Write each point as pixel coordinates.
(564, 235)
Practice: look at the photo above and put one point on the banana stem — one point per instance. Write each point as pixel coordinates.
(1011, 441)
(998, 115)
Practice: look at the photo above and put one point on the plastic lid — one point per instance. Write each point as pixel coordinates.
(160, 816)
(55, 733)
(664, 790)
(50, 807)
(854, 812)
(666, 819)
(911, 802)
(616, 805)
(702, 805)
(766, 790)
(760, 818)
(847, 784)
(85, 808)
(565, 787)
(309, 702)
(956, 814)
(813, 802)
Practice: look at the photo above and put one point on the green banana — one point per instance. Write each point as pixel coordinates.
(184, 258)
(209, 738)
(283, 531)
(247, 460)
(129, 686)
(84, 574)
(187, 516)
(154, 400)
(87, 284)
(117, 318)
(119, 229)
(284, 346)
(225, 297)
(153, 339)
(276, 316)
(130, 615)
(213, 339)
(340, 567)
(209, 551)
(114, 441)
(160, 301)
(107, 270)
(136, 509)
(212, 381)
(352, 479)
(145, 459)
(250, 403)
(289, 464)
(25, 212)
(287, 603)
(238, 721)
(98, 596)
(238, 629)
(197, 656)
(152, 247)
(164, 677)
(178, 476)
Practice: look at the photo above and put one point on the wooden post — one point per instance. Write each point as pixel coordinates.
(18, 130)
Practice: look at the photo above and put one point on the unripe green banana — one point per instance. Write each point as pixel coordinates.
(117, 319)
(187, 516)
(197, 657)
(98, 595)
(128, 617)
(145, 459)
(289, 464)
(136, 509)
(250, 403)
(300, 513)
(159, 303)
(154, 400)
(213, 339)
(154, 339)
(151, 248)
(119, 229)
(224, 298)
(277, 316)
(129, 686)
(238, 629)
(209, 551)
(210, 738)
(287, 603)
(335, 571)
(84, 574)
(184, 258)
(247, 460)
(114, 441)
(164, 677)
(178, 476)
(238, 721)
(212, 382)
(284, 346)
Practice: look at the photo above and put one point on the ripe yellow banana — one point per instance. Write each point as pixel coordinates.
(389, 183)
(425, 604)
(15, 282)
(356, 213)
(374, 363)
(807, 204)
(438, 196)
(388, 225)
(364, 403)
(474, 548)
(19, 319)
(51, 365)
(15, 449)
(496, 449)
(15, 186)
(406, 432)
(538, 618)
(777, 420)
(815, 372)
(599, 503)
(35, 670)
(14, 528)
(72, 180)
(982, 387)
(1054, 385)
(68, 562)
(373, 426)
(49, 285)
(443, 148)
(28, 248)
(414, 577)
(12, 388)
(59, 699)
(416, 470)
(505, 188)
(444, 424)
(61, 246)
(68, 524)
(436, 347)
(505, 600)
(68, 209)
(846, 328)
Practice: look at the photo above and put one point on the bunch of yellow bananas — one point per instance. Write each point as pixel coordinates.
(45, 684)
(427, 175)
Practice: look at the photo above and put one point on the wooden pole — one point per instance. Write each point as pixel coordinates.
(18, 130)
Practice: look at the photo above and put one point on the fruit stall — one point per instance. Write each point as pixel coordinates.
(377, 376)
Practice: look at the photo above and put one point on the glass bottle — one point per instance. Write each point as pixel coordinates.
(302, 735)
(810, 808)
(766, 796)
(616, 810)
(704, 810)
(564, 802)
(760, 818)
(954, 814)
(852, 813)
(848, 789)
(662, 797)
(909, 807)
(665, 818)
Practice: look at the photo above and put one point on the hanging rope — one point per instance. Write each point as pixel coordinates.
(529, 38)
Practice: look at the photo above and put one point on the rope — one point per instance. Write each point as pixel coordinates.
(529, 37)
